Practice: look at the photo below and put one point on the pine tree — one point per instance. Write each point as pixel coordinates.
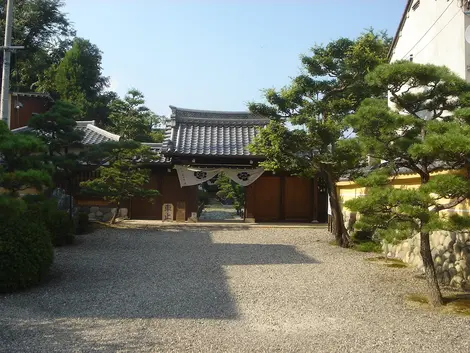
(426, 131)
(307, 134)
(57, 129)
(21, 162)
(126, 175)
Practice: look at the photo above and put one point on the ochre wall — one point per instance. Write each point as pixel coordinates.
(349, 190)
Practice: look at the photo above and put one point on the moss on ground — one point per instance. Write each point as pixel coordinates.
(458, 304)
(396, 265)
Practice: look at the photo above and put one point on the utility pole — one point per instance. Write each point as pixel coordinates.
(7, 49)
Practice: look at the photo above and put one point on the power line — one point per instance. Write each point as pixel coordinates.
(424, 35)
(438, 33)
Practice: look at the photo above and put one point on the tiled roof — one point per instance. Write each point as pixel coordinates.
(157, 148)
(93, 134)
(211, 133)
(32, 94)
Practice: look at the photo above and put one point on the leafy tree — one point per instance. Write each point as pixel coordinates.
(428, 130)
(126, 175)
(230, 190)
(132, 120)
(21, 165)
(315, 106)
(44, 30)
(57, 129)
(77, 78)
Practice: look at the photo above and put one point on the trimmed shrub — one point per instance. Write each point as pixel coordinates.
(62, 228)
(26, 252)
(82, 223)
(58, 222)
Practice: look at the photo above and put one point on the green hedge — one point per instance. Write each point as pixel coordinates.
(26, 251)
(82, 223)
(58, 222)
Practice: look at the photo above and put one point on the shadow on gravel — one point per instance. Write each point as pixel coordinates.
(145, 274)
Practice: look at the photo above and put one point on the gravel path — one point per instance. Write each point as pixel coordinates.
(226, 290)
(218, 212)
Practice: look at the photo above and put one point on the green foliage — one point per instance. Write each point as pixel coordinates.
(77, 78)
(26, 252)
(22, 163)
(57, 127)
(132, 120)
(126, 175)
(307, 133)
(44, 30)
(230, 190)
(82, 223)
(60, 226)
(368, 246)
(430, 134)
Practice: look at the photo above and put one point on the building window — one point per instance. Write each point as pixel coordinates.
(415, 5)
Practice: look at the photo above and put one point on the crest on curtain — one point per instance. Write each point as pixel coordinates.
(193, 176)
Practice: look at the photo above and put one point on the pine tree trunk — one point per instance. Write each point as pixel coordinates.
(434, 292)
(338, 228)
(118, 208)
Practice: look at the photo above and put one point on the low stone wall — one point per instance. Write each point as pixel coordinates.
(450, 251)
(103, 213)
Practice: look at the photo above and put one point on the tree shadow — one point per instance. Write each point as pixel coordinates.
(148, 274)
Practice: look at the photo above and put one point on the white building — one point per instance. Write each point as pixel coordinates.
(435, 32)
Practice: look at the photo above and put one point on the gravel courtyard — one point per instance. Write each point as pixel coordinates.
(208, 289)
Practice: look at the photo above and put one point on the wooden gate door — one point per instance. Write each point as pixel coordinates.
(298, 199)
(267, 199)
(142, 208)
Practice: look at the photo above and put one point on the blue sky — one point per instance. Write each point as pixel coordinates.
(217, 54)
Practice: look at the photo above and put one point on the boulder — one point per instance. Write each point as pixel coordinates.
(99, 214)
(448, 242)
(452, 271)
(94, 209)
(445, 278)
(123, 212)
(91, 217)
(456, 281)
(107, 217)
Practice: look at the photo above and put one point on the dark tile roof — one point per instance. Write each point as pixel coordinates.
(93, 134)
(157, 148)
(33, 94)
(211, 133)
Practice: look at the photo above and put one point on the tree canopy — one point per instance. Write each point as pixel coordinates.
(307, 134)
(44, 30)
(22, 165)
(126, 175)
(426, 130)
(132, 120)
(77, 78)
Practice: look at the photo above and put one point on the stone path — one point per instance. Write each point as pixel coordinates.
(219, 289)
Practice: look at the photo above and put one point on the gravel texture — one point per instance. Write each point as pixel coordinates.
(208, 289)
(218, 212)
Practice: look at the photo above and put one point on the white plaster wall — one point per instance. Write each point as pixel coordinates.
(443, 44)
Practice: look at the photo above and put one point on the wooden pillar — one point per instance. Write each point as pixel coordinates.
(250, 191)
(315, 200)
